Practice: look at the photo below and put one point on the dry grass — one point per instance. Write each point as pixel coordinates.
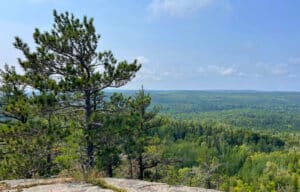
(3, 186)
(93, 177)
(103, 184)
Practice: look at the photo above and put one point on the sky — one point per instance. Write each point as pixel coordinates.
(182, 44)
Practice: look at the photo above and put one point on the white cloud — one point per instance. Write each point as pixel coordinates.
(269, 69)
(152, 72)
(228, 71)
(148, 74)
(178, 7)
(280, 70)
(219, 70)
(166, 73)
(142, 59)
(147, 71)
(292, 76)
(294, 60)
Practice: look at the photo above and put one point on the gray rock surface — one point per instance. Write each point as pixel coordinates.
(49, 185)
(63, 187)
(144, 186)
(67, 185)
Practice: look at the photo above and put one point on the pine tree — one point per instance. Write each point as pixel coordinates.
(141, 135)
(66, 62)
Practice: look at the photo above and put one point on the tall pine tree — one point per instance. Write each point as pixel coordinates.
(66, 61)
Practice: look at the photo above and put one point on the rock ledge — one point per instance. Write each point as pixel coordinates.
(68, 185)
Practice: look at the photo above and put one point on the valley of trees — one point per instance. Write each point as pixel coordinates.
(264, 111)
(57, 119)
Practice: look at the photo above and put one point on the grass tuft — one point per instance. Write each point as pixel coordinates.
(103, 184)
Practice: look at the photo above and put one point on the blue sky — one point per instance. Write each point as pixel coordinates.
(183, 44)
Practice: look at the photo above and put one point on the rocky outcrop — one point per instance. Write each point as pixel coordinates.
(48, 185)
(145, 186)
(69, 185)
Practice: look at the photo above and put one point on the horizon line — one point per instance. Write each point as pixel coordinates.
(212, 90)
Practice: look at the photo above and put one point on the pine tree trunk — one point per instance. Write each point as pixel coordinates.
(48, 160)
(89, 140)
(48, 148)
(141, 167)
(130, 169)
(110, 171)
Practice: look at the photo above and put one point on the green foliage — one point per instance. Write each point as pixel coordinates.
(129, 135)
(272, 111)
(27, 147)
(68, 68)
(276, 171)
(140, 142)
(108, 140)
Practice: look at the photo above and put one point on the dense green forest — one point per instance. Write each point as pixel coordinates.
(273, 111)
(57, 119)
